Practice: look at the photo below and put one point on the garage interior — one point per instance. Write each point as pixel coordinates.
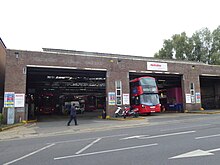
(50, 90)
(210, 92)
(169, 90)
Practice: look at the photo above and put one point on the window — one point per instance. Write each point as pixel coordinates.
(149, 99)
(118, 92)
(149, 85)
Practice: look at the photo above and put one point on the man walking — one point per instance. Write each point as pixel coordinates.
(72, 115)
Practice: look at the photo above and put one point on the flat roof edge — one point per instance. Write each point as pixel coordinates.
(3, 43)
(109, 55)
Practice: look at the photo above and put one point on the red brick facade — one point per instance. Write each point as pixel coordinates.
(117, 66)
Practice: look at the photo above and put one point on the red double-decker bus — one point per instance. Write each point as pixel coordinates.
(144, 95)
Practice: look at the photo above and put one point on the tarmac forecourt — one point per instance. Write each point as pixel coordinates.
(4, 127)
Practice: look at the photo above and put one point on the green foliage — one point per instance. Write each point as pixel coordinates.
(202, 46)
(167, 51)
(215, 58)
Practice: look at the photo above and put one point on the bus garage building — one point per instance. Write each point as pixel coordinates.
(26, 75)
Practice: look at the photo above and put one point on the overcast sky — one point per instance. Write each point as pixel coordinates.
(132, 27)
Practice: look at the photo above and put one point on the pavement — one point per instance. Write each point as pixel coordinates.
(56, 125)
(217, 111)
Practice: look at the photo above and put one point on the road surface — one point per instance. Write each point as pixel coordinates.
(191, 139)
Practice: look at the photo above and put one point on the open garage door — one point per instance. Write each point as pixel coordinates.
(170, 90)
(51, 90)
(210, 92)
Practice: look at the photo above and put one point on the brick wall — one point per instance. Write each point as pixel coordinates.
(117, 69)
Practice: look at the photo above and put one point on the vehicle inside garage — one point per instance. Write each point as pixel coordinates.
(169, 90)
(51, 90)
(210, 92)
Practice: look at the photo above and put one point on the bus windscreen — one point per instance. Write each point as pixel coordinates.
(149, 99)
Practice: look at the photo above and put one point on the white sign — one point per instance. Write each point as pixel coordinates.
(126, 99)
(19, 100)
(157, 66)
(188, 98)
(10, 115)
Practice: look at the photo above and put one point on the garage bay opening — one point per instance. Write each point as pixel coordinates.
(210, 92)
(51, 90)
(168, 89)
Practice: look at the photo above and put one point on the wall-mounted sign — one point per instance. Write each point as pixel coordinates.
(9, 99)
(126, 99)
(188, 98)
(193, 99)
(198, 97)
(111, 98)
(19, 100)
(157, 66)
(10, 115)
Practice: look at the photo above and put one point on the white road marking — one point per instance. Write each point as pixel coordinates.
(86, 147)
(165, 135)
(196, 153)
(213, 150)
(32, 153)
(78, 140)
(210, 136)
(134, 137)
(106, 151)
(185, 127)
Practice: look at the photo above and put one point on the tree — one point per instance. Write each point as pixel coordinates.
(215, 58)
(189, 50)
(167, 51)
(202, 46)
(202, 42)
(180, 45)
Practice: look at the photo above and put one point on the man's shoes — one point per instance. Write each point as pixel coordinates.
(76, 124)
(68, 125)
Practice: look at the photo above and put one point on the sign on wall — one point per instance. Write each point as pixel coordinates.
(19, 100)
(198, 97)
(188, 98)
(111, 98)
(126, 99)
(9, 99)
(157, 66)
(10, 115)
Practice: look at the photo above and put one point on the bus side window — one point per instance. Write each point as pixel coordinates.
(137, 83)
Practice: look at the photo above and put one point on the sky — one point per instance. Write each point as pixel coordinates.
(129, 27)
